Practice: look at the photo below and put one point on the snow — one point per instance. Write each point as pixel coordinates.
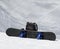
(7, 42)
(15, 14)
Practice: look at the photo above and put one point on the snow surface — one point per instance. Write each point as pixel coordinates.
(15, 13)
(7, 42)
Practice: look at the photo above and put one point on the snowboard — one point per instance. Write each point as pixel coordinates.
(30, 34)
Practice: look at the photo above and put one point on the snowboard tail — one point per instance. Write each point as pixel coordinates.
(31, 34)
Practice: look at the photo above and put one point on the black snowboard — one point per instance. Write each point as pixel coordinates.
(31, 34)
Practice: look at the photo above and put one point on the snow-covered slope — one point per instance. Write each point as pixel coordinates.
(15, 13)
(7, 42)
(7, 21)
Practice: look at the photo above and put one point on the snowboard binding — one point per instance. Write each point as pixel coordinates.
(31, 32)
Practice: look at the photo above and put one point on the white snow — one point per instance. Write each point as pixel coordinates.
(7, 42)
(15, 13)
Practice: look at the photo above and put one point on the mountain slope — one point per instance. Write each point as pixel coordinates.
(46, 13)
(6, 20)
